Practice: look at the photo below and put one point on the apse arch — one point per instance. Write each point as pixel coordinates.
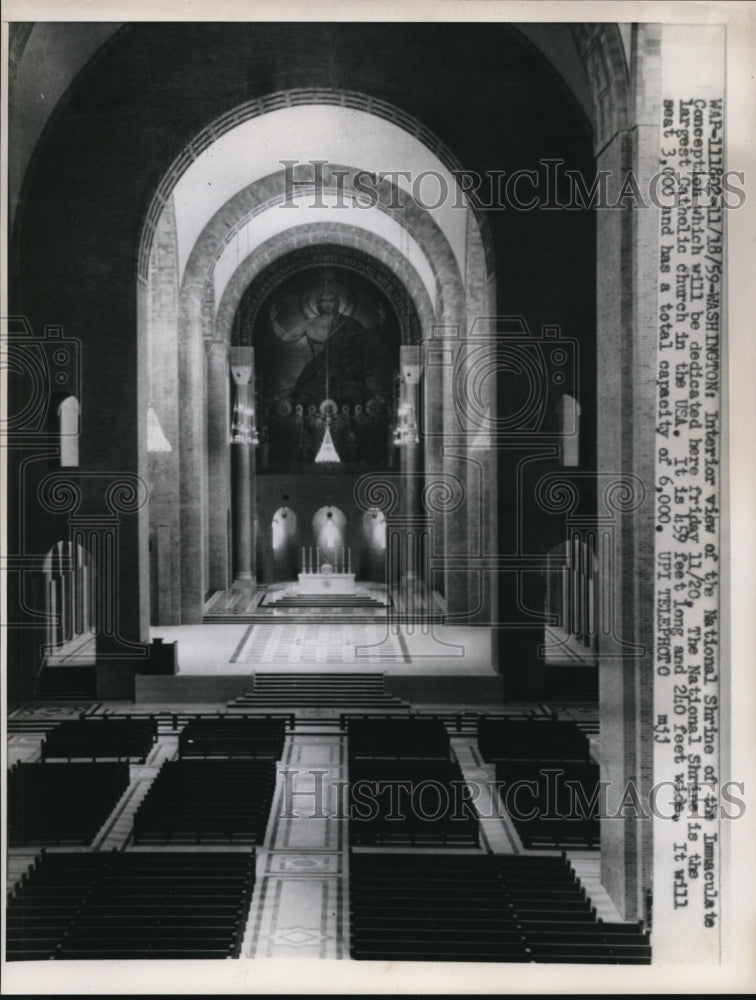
(311, 255)
(337, 237)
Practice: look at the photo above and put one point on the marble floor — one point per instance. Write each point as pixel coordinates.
(213, 649)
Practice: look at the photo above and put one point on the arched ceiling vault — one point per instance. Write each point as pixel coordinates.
(47, 58)
(256, 149)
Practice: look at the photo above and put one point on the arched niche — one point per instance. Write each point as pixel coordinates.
(67, 419)
(373, 545)
(284, 544)
(330, 535)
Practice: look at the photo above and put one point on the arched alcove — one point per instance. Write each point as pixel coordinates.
(331, 535)
(284, 541)
(68, 431)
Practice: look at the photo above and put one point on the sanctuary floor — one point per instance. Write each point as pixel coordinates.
(323, 648)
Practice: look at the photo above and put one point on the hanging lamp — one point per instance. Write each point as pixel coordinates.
(327, 451)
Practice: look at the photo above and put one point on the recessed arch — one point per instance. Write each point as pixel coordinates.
(325, 254)
(382, 255)
(264, 225)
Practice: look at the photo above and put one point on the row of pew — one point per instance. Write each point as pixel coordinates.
(131, 737)
(235, 736)
(131, 905)
(404, 787)
(62, 803)
(101, 736)
(207, 802)
(220, 790)
(460, 907)
(547, 782)
(544, 739)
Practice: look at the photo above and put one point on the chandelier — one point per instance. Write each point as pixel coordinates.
(406, 429)
(243, 422)
(244, 425)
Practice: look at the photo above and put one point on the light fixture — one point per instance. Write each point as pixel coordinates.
(410, 368)
(327, 451)
(243, 424)
(406, 430)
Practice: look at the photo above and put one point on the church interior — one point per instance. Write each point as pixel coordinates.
(326, 474)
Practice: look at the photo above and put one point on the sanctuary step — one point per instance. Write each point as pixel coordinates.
(324, 601)
(321, 690)
(366, 606)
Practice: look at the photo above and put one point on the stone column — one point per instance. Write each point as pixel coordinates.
(242, 370)
(410, 369)
(627, 247)
(408, 547)
(219, 466)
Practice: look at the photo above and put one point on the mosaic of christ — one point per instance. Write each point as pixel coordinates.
(327, 355)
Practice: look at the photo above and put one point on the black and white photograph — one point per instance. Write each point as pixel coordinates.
(378, 497)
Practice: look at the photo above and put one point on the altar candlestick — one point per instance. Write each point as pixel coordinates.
(317, 558)
(349, 553)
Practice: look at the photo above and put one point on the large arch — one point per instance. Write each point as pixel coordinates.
(436, 251)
